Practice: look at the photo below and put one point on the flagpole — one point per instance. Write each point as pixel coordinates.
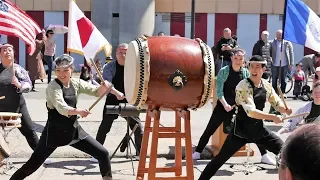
(281, 53)
(281, 47)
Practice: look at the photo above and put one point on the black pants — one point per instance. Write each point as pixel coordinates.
(232, 144)
(106, 125)
(42, 152)
(27, 128)
(219, 115)
(297, 88)
(49, 60)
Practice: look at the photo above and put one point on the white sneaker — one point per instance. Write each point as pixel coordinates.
(266, 159)
(196, 155)
(93, 160)
(47, 162)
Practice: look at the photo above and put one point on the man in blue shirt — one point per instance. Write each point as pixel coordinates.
(114, 72)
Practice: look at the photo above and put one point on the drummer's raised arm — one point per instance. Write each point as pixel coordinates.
(221, 78)
(292, 123)
(274, 99)
(55, 100)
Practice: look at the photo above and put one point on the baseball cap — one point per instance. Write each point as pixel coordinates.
(265, 33)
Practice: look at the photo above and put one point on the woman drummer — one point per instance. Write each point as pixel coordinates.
(14, 80)
(251, 96)
(313, 108)
(62, 127)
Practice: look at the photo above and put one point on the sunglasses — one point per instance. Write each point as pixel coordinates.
(63, 62)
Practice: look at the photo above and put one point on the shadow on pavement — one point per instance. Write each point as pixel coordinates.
(37, 127)
(206, 154)
(274, 128)
(72, 166)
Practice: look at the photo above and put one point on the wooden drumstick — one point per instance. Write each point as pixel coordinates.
(282, 97)
(2, 97)
(295, 116)
(96, 102)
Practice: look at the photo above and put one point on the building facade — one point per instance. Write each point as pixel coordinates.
(246, 18)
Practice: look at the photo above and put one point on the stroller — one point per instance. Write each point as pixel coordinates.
(306, 93)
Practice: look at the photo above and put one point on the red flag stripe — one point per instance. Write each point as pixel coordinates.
(14, 18)
(13, 27)
(23, 16)
(12, 24)
(16, 33)
(10, 32)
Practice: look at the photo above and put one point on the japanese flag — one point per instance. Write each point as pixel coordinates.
(83, 37)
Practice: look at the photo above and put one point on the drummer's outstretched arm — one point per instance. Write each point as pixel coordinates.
(292, 123)
(244, 97)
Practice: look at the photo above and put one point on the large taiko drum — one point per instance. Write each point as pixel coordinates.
(168, 73)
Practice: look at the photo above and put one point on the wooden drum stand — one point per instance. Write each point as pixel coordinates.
(166, 132)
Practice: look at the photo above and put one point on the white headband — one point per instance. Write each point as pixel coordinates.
(258, 62)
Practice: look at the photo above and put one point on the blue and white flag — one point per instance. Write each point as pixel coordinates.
(301, 25)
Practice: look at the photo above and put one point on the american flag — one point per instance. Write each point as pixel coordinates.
(15, 22)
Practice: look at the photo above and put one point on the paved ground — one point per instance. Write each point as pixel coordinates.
(72, 164)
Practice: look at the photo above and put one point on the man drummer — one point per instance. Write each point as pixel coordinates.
(227, 80)
(14, 80)
(114, 72)
(251, 96)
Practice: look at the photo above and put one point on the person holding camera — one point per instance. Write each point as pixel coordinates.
(224, 48)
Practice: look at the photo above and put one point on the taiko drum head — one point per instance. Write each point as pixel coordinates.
(131, 72)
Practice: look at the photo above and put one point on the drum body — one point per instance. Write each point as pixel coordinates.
(168, 73)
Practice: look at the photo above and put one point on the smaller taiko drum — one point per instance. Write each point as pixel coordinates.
(10, 119)
(168, 73)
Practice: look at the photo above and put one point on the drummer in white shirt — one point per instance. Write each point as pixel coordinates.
(312, 107)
